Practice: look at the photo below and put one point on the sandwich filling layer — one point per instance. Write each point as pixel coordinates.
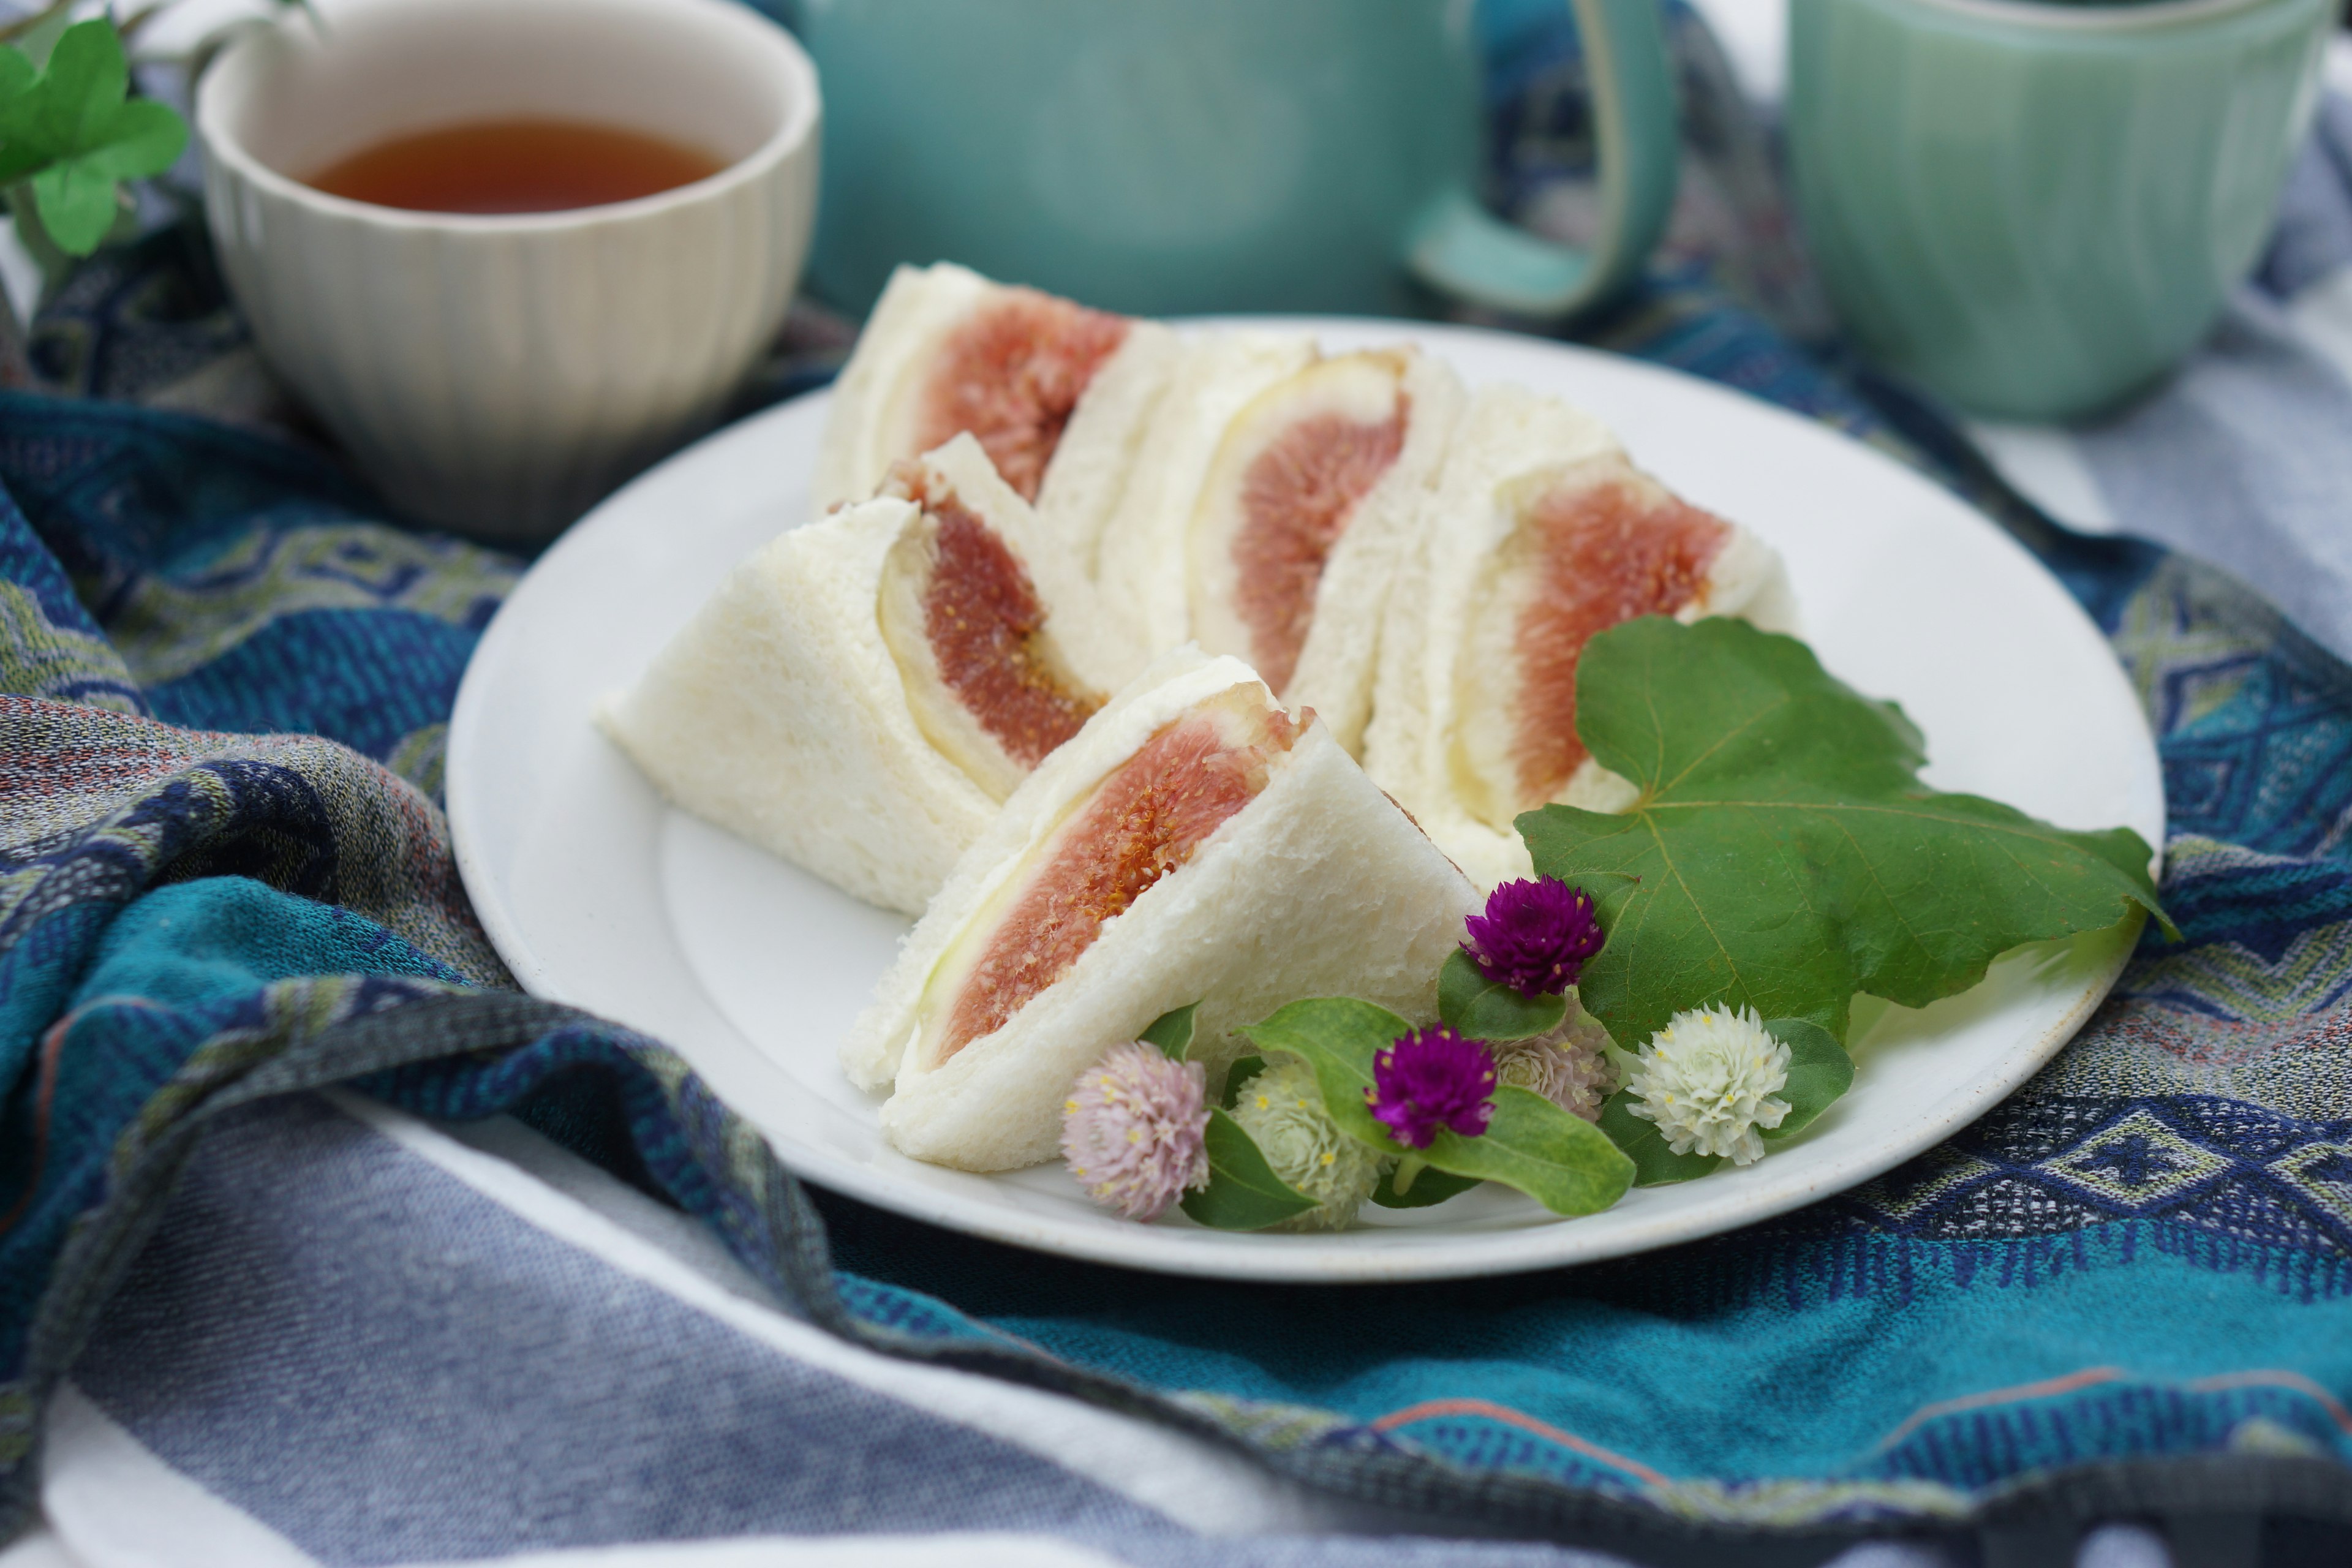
(1286, 484)
(1597, 545)
(1140, 824)
(1011, 373)
(964, 619)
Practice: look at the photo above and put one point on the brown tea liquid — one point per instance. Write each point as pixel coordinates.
(514, 166)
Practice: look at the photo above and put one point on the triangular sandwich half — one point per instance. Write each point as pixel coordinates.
(947, 352)
(1194, 843)
(1140, 557)
(1539, 535)
(1316, 486)
(859, 695)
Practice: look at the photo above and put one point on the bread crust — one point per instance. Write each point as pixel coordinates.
(783, 713)
(779, 714)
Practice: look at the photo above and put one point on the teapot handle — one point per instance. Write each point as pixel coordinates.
(1461, 249)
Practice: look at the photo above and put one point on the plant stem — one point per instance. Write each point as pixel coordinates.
(1408, 1168)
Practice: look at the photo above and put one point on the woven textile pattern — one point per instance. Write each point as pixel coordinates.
(224, 875)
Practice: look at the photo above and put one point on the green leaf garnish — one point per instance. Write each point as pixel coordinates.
(1431, 1187)
(1783, 854)
(1819, 1073)
(1244, 1069)
(1560, 1160)
(1243, 1193)
(1172, 1032)
(76, 132)
(1485, 1009)
(1655, 1164)
(1337, 1037)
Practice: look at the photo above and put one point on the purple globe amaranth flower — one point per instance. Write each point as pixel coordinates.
(1535, 937)
(1133, 1130)
(1430, 1079)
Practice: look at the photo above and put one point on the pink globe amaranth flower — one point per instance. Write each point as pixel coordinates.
(1568, 1067)
(1535, 937)
(1430, 1079)
(1133, 1130)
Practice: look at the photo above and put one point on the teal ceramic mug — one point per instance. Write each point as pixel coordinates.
(2034, 209)
(1165, 157)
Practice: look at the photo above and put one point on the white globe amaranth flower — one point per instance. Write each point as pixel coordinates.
(1282, 1110)
(1707, 1079)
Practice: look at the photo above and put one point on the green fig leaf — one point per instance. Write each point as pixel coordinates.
(1819, 1073)
(1783, 854)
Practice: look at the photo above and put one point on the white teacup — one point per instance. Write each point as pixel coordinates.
(499, 374)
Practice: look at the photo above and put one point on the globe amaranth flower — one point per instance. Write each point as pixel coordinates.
(1535, 937)
(1282, 1110)
(1430, 1079)
(1706, 1081)
(1569, 1065)
(1132, 1130)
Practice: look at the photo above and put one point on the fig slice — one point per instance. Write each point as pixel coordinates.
(1141, 823)
(1286, 485)
(1538, 534)
(1593, 546)
(986, 681)
(1011, 373)
(1054, 393)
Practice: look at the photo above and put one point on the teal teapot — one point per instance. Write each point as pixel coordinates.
(1171, 157)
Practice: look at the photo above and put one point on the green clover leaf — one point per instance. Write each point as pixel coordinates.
(76, 131)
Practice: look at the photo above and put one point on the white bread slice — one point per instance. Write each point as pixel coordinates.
(1418, 399)
(918, 307)
(801, 707)
(1101, 443)
(877, 402)
(1139, 564)
(1442, 731)
(1318, 886)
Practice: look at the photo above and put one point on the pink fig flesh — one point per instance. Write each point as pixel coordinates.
(1012, 374)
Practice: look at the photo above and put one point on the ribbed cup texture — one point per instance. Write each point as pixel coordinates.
(500, 383)
(500, 375)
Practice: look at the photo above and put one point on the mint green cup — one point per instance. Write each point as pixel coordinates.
(2034, 210)
(1169, 157)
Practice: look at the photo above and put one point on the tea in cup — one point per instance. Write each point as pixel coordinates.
(419, 207)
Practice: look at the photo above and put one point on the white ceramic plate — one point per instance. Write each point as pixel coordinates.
(598, 895)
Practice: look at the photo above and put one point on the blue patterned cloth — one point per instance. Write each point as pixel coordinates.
(225, 883)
